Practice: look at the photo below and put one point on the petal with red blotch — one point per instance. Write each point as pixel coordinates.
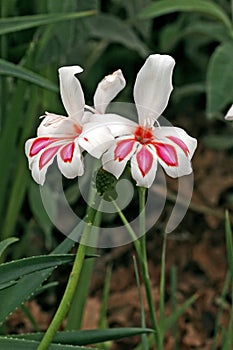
(166, 153)
(39, 144)
(144, 166)
(115, 165)
(47, 155)
(70, 160)
(123, 149)
(41, 162)
(176, 137)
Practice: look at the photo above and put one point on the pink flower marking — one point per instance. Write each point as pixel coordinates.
(47, 155)
(123, 148)
(180, 143)
(167, 153)
(144, 160)
(41, 143)
(67, 152)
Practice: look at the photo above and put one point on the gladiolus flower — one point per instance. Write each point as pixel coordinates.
(67, 137)
(145, 144)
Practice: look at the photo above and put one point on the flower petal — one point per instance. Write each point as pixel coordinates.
(144, 166)
(107, 89)
(40, 163)
(54, 125)
(153, 87)
(175, 149)
(70, 160)
(96, 139)
(113, 162)
(176, 137)
(229, 115)
(71, 91)
(117, 124)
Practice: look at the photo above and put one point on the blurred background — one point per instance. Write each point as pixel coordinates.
(38, 37)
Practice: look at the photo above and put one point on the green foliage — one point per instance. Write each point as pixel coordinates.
(86, 337)
(205, 7)
(4, 244)
(219, 78)
(15, 270)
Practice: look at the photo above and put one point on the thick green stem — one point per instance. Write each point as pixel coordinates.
(70, 288)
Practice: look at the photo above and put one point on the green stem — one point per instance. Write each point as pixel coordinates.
(70, 288)
(162, 289)
(144, 265)
(128, 228)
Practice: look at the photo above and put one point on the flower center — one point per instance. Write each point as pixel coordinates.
(77, 129)
(143, 135)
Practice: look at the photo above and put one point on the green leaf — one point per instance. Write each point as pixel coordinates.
(164, 7)
(85, 337)
(15, 295)
(6, 242)
(21, 344)
(14, 270)
(218, 142)
(219, 79)
(113, 29)
(14, 24)
(16, 71)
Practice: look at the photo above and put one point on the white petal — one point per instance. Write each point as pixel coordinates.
(114, 166)
(182, 147)
(96, 139)
(117, 124)
(153, 87)
(58, 126)
(73, 168)
(107, 89)
(28, 145)
(71, 91)
(229, 115)
(37, 173)
(165, 132)
(147, 179)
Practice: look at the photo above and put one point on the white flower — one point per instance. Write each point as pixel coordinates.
(229, 115)
(66, 137)
(145, 144)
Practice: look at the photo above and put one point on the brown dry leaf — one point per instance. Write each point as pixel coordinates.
(211, 259)
(193, 337)
(91, 313)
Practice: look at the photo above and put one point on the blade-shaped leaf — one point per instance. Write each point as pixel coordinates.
(16, 269)
(113, 29)
(21, 344)
(89, 336)
(219, 79)
(13, 296)
(13, 70)
(14, 24)
(208, 7)
(4, 244)
(172, 319)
